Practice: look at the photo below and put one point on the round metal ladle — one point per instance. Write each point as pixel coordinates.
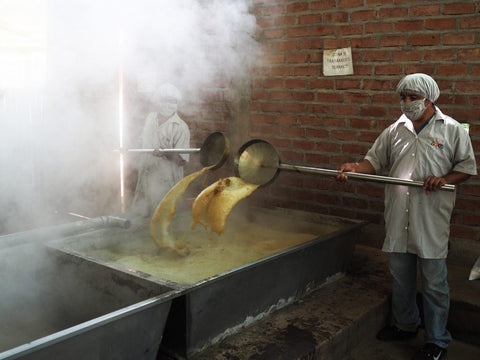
(214, 151)
(257, 162)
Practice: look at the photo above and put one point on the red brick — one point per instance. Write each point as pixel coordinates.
(409, 26)
(427, 68)
(318, 108)
(262, 118)
(440, 24)
(292, 131)
(364, 42)
(363, 15)
(349, 30)
(341, 109)
(316, 133)
(285, 45)
(324, 83)
(298, 31)
(393, 12)
(327, 147)
(344, 135)
(373, 111)
(273, 10)
(303, 96)
(439, 54)
(282, 70)
(335, 122)
(308, 120)
(271, 107)
(424, 10)
(350, 4)
(310, 19)
(452, 69)
(328, 97)
(352, 97)
(335, 17)
(274, 33)
(396, 40)
(335, 43)
(459, 8)
(310, 43)
(295, 84)
(316, 158)
(323, 30)
(280, 95)
(285, 119)
(463, 232)
(297, 58)
(425, 39)
(305, 70)
(322, 5)
(377, 55)
(472, 54)
(294, 107)
(298, 7)
(273, 83)
(388, 69)
(469, 23)
(285, 20)
(362, 123)
(403, 56)
(459, 39)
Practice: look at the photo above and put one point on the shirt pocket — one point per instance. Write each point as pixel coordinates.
(436, 156)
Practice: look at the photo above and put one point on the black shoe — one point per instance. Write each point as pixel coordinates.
(392, 333)
(431, 352)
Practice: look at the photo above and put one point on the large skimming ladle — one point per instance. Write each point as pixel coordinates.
(214, 151)
(257, 162)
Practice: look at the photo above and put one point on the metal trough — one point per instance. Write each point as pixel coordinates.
(58, 306)
(218, 304)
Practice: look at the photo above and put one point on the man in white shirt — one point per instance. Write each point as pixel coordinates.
(423, 145)
(159, 171)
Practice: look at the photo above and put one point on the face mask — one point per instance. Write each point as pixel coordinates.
(167, 109)
(413, 109)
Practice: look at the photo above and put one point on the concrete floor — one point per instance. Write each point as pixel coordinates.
(339, 321)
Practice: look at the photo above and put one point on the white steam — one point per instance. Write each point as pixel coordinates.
(57, 136)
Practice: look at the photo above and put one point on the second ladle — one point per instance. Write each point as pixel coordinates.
(214, 151)
(257, 162)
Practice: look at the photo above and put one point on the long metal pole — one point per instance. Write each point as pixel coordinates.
(177, 151)
(368, 177)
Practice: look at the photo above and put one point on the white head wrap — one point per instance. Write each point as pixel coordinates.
(167, 91)
(421, 84)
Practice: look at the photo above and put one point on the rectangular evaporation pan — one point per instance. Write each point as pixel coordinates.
(218, 304)
(57, 306)
(213, 309)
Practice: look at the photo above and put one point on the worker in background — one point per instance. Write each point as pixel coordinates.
(423, 145)
(160, 171)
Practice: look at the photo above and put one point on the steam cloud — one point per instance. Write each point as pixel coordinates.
(56, 140)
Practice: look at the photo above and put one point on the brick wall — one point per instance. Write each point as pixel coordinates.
(321, 121)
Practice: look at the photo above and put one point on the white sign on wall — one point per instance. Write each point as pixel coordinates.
(337, 62)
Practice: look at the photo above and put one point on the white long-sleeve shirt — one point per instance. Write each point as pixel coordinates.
(157, 175)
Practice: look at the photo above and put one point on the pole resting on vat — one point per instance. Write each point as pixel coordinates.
(214, 151)
(257, 162)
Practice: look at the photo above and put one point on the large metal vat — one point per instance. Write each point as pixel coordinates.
(219, 303)
(57, 306)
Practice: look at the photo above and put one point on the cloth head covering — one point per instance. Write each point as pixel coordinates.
(167, 91)
(421, 84)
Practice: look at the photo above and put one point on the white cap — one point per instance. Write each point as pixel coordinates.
(421, 84)
(167, 91)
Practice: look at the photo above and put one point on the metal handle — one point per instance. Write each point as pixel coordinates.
(176, 151)
(369, 177)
